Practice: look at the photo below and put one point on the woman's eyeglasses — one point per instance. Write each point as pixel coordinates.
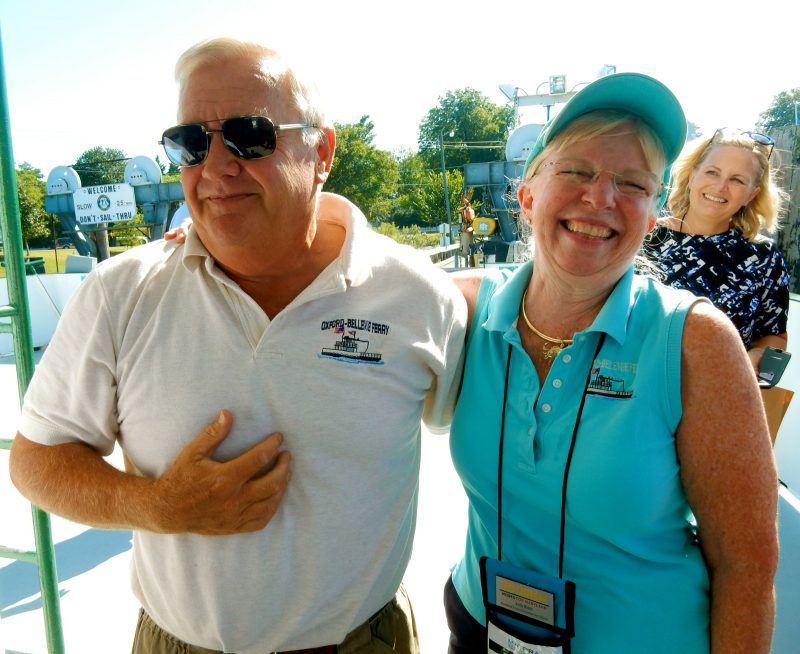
(248, 137)
(759, 139)
(630, 183)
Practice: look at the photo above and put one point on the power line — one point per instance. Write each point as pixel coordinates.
(475, 147)
(465, 145)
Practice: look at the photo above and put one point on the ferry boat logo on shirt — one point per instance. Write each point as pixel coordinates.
(351, 344)
(612, 383)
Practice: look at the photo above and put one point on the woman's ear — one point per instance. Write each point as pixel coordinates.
(525, 199)
(651, 223)
(753, 195)
(524, 196)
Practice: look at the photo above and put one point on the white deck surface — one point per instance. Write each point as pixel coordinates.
(99, 612)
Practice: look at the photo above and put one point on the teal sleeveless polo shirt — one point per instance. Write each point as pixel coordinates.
(630, 544)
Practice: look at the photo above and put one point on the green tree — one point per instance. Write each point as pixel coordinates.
(35, 221)
(361, 172)
(427, 200)
(171, 171)
(473, 130)
(412, 177)
(101, 166)
(782, 111)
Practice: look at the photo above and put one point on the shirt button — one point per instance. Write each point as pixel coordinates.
(566, 358)
(531, 431)
(546, 408)
(556, 383)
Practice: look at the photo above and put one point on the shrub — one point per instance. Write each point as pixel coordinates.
(412, 235)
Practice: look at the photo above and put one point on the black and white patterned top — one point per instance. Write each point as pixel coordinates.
(747, 280)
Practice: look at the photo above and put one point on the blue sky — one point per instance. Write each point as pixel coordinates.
(87, 73)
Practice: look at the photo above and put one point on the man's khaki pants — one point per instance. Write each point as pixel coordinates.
(392, 629)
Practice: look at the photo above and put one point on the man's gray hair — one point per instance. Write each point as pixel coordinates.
(302, 94)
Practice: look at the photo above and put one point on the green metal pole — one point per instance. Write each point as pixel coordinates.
(12, 243)
(23, 355)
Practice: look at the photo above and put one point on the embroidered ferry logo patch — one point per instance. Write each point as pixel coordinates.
(607, 385)
(349, 346)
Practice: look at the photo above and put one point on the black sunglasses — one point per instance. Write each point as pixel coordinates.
(755, 137)
(248, 137)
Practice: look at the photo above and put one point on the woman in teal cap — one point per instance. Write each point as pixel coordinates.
(609, 433)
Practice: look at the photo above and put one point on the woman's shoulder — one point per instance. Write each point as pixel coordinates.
(709, 330)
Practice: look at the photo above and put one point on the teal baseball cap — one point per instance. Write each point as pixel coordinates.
(640, 95)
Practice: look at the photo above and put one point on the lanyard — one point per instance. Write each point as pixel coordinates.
(567, 465)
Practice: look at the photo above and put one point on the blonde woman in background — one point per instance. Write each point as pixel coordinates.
(723, 197)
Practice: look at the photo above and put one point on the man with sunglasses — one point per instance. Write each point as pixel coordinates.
(302, 347)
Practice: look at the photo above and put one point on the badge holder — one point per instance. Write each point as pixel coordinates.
(529, 612)
(526, 612)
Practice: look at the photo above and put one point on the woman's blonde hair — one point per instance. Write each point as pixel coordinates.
(301, 95)
(761, 213)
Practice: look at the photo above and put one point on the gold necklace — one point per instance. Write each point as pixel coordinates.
(558, 344)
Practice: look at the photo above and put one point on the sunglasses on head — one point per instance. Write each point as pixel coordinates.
(248, 137)
(759, 139)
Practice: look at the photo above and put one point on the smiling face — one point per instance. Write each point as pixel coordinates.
(723, 182)
(590, 230)
(252, 215)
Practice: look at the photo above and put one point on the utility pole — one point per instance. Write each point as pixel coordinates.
(446, 193)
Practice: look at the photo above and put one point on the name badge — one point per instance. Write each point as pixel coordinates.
(526, 612)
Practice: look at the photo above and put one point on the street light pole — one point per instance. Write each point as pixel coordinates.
(446, 194)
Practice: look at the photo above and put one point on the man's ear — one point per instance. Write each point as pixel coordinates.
(651, 223)
(325, 151)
